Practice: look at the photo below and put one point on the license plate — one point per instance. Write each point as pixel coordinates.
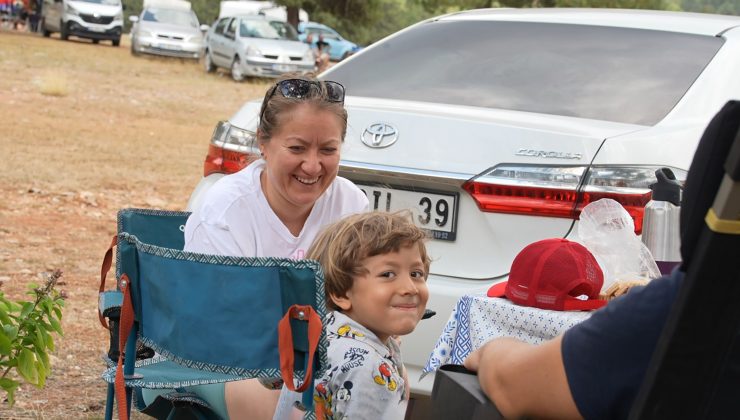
(284, 67)
(94, 29)
(168, 47)
(433, 211)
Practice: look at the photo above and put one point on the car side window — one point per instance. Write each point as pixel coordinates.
(221, 25)
(328, 34)
(231, 29)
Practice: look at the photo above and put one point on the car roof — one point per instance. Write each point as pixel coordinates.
(694, 23)
(315, 25)
(252, 17)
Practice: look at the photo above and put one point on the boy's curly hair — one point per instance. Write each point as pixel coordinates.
(342, 246)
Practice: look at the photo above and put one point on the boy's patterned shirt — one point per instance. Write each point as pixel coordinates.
(364, 379)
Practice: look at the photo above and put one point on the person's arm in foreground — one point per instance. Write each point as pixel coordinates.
(523, 379)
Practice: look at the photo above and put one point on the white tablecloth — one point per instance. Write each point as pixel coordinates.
(477, 319)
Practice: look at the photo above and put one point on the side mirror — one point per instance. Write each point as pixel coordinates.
(133, 19)
(204, 27)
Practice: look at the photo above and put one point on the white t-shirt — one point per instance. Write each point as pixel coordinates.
(236, 220)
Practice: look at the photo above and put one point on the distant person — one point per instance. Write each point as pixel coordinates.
(375, 270)
(322, 54)
(19, 15)
(34, 15)
(320, 51)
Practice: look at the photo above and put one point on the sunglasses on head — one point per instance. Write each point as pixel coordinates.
(301, 89)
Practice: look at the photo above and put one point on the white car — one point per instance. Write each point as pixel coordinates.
(498, 126)
(254, 45)
(92, 19)
(170, 29)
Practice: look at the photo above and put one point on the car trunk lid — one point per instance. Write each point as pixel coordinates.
(392, 146)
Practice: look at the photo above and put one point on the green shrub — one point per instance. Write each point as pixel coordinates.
(26, 335)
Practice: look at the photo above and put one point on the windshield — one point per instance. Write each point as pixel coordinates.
(171, 16)
(613, 74)
(267, 29)
(105, 2)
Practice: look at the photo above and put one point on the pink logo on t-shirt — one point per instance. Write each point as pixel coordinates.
(299, 254)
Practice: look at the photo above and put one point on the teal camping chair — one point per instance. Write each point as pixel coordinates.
(210, 319)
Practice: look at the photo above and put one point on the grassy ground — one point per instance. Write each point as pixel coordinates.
(86, 130)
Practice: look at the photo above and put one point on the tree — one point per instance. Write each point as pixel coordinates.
(725, 7)
(292, 7)
(362, 21)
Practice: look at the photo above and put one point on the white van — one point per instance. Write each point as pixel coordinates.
(92, 19)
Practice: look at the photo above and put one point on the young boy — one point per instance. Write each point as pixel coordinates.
(375, 269)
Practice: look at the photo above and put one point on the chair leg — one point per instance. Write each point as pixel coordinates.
(109, 402)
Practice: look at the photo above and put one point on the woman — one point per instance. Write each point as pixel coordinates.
(276, 206)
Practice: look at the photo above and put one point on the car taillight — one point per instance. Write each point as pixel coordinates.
(231, 149)
(562, 191)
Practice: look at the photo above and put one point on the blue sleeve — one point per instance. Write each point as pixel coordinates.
(606, 356)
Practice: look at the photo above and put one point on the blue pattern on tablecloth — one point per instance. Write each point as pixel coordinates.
(477, 319)
(461, 346)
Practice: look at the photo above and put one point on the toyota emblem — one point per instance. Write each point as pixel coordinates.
(379, 135)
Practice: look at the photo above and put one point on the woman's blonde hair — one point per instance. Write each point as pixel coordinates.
(342, 246)
(275, 107)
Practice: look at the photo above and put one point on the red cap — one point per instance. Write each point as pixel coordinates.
(550, 274)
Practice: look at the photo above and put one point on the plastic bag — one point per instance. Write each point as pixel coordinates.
(607, 230)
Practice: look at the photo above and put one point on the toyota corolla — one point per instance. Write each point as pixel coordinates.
(498, 126)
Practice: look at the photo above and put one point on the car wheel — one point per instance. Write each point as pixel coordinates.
(116, 41)
(208, 62)
(63, 31)
(236, 71)
(46, 32)
(345, 55)
(95, 41)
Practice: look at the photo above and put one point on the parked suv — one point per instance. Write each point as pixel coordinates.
(254, 45)
(496, 127)
(92, 19)
(339, 48)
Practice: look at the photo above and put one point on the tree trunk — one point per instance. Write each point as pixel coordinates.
(293, 16)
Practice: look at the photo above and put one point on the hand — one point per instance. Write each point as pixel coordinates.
(620, 288)
(473, 360)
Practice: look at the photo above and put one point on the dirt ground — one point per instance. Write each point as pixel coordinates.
(86, 130)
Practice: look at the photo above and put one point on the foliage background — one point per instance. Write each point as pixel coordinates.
(366, 21)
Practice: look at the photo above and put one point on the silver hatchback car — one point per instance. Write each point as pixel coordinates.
(171, 30)
(254, 45)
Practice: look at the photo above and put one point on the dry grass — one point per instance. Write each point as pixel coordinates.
(53, 83)
(88, 129)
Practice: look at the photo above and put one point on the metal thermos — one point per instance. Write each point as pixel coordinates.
(661, 223)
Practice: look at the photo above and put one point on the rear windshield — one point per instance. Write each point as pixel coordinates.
(613, 74)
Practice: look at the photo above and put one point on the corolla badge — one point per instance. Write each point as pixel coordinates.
(379, 135)
(551, 154)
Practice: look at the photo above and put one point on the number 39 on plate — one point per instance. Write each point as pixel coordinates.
(432, 210)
